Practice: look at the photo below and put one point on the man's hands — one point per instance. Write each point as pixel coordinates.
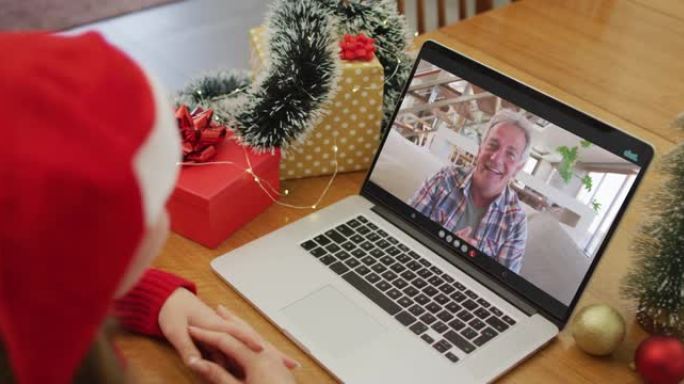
(190, 326)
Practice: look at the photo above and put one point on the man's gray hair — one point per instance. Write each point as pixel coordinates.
(519, 120)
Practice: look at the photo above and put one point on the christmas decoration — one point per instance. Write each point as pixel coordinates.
(216, 90)
(352, 124)
(357, 47)
(656, 281)
(214, 199)
(199, 132)
(598, 329)
(288, 97)
(379, 20)
(660, 360)
(291, 94)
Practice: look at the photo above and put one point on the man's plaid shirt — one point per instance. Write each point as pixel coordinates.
(502, 233)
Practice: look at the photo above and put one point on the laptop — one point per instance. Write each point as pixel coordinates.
(486, 209)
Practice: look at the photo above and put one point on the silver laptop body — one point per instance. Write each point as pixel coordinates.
(361, 335)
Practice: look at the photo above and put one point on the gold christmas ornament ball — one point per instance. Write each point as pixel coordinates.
(598, 329)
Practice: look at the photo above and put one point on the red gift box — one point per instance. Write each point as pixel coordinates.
(212, 201)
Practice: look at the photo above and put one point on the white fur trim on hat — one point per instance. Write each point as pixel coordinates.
(156, 163)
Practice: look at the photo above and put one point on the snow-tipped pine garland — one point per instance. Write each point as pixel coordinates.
(213, 87)
(299, 78)
(302, 71)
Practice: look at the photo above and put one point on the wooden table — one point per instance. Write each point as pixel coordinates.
(620, 60)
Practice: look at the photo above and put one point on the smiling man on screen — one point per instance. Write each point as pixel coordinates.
(477, 204)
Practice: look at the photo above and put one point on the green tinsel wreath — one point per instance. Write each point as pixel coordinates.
(291, 93)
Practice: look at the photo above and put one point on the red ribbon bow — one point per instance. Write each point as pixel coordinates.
(199, 133)
(357, 47)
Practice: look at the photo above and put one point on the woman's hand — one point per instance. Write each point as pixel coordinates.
(263, 367)
(183, 309)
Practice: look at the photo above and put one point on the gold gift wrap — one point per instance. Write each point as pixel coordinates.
(352, 123)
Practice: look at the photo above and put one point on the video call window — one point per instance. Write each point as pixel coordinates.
(531, 195)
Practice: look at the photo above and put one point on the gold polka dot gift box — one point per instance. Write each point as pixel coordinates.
(352, 123)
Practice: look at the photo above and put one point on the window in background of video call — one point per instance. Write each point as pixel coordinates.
(569, 190)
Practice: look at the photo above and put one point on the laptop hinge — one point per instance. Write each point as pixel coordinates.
(463, 265)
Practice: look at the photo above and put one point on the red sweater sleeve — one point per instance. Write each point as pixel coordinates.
(138, 311)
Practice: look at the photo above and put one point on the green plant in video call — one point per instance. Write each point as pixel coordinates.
(567, 165)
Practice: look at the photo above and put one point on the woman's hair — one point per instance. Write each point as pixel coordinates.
(5, 368)
(100, 365)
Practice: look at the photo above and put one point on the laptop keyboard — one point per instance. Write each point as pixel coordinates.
(440, 310)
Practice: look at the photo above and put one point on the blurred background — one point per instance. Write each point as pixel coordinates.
(177, 40)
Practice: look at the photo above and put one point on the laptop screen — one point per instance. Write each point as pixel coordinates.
(523, 186)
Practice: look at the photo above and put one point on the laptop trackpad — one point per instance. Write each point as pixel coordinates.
(332, 321)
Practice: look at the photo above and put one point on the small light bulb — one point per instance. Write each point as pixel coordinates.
(415, 34)
(313, 206)
(334, 148)
(355, 89)
(286, 192)
(249, 170)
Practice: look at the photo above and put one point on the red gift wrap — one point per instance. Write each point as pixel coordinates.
(212, 201)
(200, 133)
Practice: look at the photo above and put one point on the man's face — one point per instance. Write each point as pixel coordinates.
(499, 159)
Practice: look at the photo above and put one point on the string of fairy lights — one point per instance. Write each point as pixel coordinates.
(273, 194)
(392, 58)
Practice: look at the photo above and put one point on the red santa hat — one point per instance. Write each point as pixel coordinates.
(89, 158)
